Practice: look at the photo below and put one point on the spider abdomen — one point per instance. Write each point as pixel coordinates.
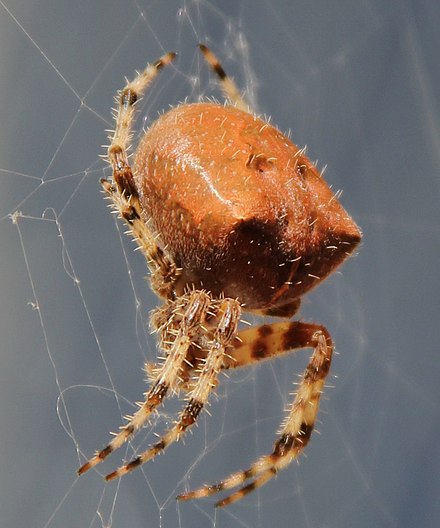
(238, 206)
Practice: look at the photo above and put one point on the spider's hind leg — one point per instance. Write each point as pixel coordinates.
(126, 101)
(164, 271)
(122, 189)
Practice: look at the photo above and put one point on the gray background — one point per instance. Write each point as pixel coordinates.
(357, 82)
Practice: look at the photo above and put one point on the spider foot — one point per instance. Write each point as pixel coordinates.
(154, 398)
(263, 470)
(188, 418)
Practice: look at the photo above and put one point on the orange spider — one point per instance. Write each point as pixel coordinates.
(231, 216)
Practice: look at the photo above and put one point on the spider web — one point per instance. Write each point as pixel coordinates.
(356, 82)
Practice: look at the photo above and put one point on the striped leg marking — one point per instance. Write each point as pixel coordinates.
(163, 270)
(223, 335)
(261, 343)
(122, 190)
(195, 306)
(227, 84)
(126, 105)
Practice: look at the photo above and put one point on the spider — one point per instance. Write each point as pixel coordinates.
(231, 217)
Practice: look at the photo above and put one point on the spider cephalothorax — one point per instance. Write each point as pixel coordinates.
(231, 216)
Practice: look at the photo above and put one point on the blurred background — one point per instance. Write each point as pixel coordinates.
(358, 84)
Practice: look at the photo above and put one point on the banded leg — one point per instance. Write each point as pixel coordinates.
(123, 192)
(195, 306)
(261, 343)
(164, 271)
(228, 86)
(120, 139)
(223, 335)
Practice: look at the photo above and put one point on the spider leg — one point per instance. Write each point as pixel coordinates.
(227, 320)
(164, 271)
(122, 191)
(227, 84)
(259, 344)
(195, 305)
(120, 139)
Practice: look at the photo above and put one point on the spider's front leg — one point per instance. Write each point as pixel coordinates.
(191, 311)
(261, 343)
(215, 345)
